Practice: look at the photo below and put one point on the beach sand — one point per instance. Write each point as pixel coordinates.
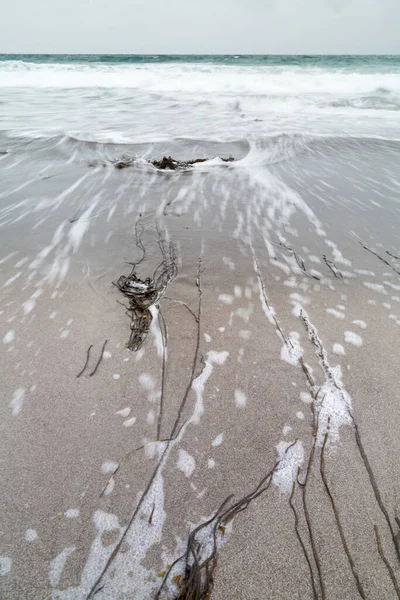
(271, 354)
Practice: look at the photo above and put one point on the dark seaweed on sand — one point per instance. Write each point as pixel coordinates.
(143, 294)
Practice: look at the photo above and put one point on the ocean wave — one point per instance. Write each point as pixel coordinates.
(200, 79)
(248, 152)
(126, 101)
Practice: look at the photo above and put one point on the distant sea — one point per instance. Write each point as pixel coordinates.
(323, 61)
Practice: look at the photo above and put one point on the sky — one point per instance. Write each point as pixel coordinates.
(201, 26)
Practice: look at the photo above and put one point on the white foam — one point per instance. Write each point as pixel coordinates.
(337, 255)
(360, 323)
(155, 330)
(335, 313)
(364, 272)
(116, 376)
(12, 279)
(226, 298)
(5, 565)
(147, 381)
(108, 466)
(300, 415)
(17, 401)
(213, 357)
(9, 337)
(31, 535)
(332, 402)
(211, 463)
(393, 286)
(292, 351)
(240, 399)
(129, 422)
(338, 349)
(124, 412)
(228, 262)
(286, 430)
(353, 338)
(72, 513)
(30, 304)
(207, 337)
(375, 287)
(186, 463)
(218, 440)
(290, 461)
(109, 487)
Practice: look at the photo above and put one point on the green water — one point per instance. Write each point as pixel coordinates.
(362, 62)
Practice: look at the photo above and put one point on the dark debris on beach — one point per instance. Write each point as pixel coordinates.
(167, 163)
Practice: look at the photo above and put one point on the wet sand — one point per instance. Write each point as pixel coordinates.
(272, 360)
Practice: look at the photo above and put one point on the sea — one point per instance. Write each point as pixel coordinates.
(184, 101)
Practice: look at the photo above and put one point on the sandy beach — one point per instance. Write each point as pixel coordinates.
(199, 363)
(271, 366)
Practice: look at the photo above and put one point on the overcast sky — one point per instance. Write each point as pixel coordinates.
(200, 26)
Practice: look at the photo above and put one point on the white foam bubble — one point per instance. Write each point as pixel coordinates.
(290, 460)
(228, 262)
(72, 513)
(292, 351)
(5, 565)
(31, 535)
(17, 401)
(186, 463)
(360, 323)
(240, 399)
(9, 337)
(335, 313)
(226, 298)
(218, 440)
(147, 381)
(212, 358)
(124, 412)
(375, 287)
(338, 349)
(353, 338)
(108, 466)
